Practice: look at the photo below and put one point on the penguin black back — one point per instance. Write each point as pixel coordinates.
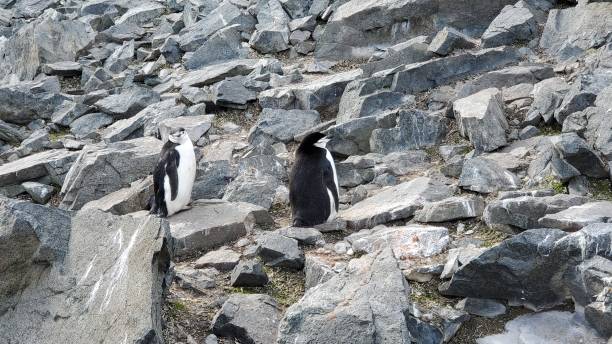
(313, 190)
(169, 159)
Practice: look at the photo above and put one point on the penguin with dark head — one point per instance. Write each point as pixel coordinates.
(313, 183)
(174, 175)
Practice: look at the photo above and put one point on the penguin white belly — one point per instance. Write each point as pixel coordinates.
(332, 205)
(186, 172)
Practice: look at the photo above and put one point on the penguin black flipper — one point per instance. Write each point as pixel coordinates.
(330, 183)
(172, 164)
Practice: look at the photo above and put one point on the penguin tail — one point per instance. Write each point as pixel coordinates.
(298, 222)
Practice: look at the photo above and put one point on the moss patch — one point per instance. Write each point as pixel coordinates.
(285, 286)
(56, 136)
(601, 189)
(555, 184)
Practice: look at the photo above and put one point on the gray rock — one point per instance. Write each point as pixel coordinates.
(271, 38)
(482, 307)
(452, 208)
(195, 126)
(222, 46)
(524, 212)
(248, 273)
(248, 318)
(215, 73)
(395, 203)
(119, 60)
(599, 313)
(407, 242)
(87, 125)
(575, 151)
(355, 104)
(40, 193)
(449, 39)
(453, 167)
(212, 177)
(548, 164)
(547, 97)
(307, 23)
(197, 280)
(24, 102)
(298, 37)
(533, 261)
(306, 236)
(569, 32)
(529, 132)
(408, 52)
(211, 339)
(402, 163)
(592, 124)
(579, 216)
(449, 151)
(221, 259)
(44, 40)
(368, 316)
(101, 169)
(317, 271)
(62, 68)
(349, 176)
(485, 176)
(416, 129)
(141, 14)
(513, 25)
(589, 279)
(127, 103)
(68, 112)
(232, 93)
(458, 257)
(282, 125)
(279, 251)
(10, 133)
(552, 326)
(507, 77)
(321, 94)
(481, 118)
(127, 200)
(52, 163)
(87, 254)
(225, 222)
(419, 77)
(353, 137)
(580, 96)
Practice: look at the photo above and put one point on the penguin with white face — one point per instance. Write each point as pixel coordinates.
(313, 183)
(174, 175)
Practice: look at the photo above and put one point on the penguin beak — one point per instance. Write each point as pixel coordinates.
(324, 140)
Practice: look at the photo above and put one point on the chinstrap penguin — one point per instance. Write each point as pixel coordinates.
(174, 175)
(313, 183)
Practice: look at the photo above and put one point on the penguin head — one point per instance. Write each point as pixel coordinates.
(179, 136)
(315, 139)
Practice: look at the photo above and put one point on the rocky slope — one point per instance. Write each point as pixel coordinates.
(473, 143)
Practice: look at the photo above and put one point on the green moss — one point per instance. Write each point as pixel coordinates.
(555, 184)
(551, 130)
(55, 136)
(601, 189)
(176, 309)
(285, 286)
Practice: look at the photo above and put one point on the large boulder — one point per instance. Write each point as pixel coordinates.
(280, 251)
(221, 46)
(547, 97)
(411, 51)
(353, 137)
(23, 102)
(514, 24)
(486, 176)
(571, 31)
(53, 163)
(128, 102)
(72, 274)
(210, 223)
(282, 125)
(395, 203)
(127, 200)
(481, 118)
(104, 168)
(575, 151)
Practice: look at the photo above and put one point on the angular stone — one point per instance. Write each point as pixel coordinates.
(282, 125)
(222, 46)
(53, 163)
(449, 39)
(571, 31)
(453, 208)
(270, 38)
(306, 236)
(87, 125)
(214, 73)
(481, 118)
(416, 129)
(482, 307)
(88, 254)
(101, 169)
(524, 212)
(406, 242)
(225, 222)
(127, 200)
(575, 151)
(547, 97)
(353, 137)
(395, 203)
(195, 126)
(127, 103)
(513, 25)
(249, 273)
(405, 53)
(486, 176)
(40, 193)
(317, 271)
(142, 14)
(62, 68)
(507, 77)
(197, 280)
(248, 318)
(231, 92)
(24, 102)
(419, 77)
(222, 260)
(577, 217)
(10, 133)
(354, 106)
(280, 251)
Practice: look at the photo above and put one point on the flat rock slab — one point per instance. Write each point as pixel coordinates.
(482, 307)
(214, 73)
(486, 176)
(280, 251)
(94, 265)
(453, 208)
(547, 327)
(406, 242)
(307, 236)
(126, 200)
(395, 203)
(248, 318)
(195, 126)
(54, 163)
(222, 260)
(211, 223)
(104, 168)
(196, 279)
(577, 217)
